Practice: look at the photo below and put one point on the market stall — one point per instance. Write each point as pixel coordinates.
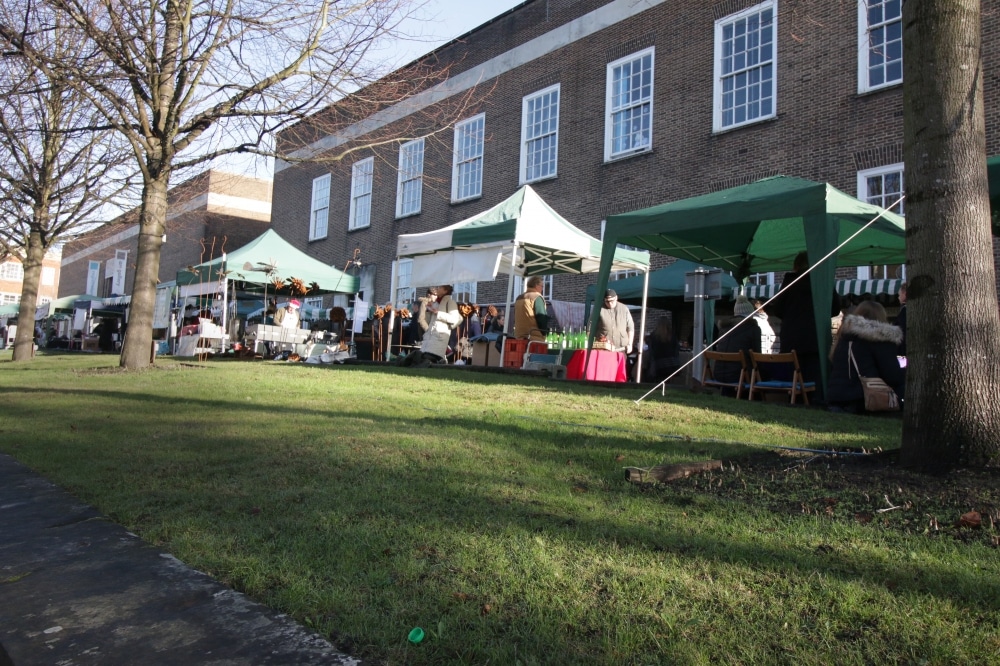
(520, 236)
(760, 227)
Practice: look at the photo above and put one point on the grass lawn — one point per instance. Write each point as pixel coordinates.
(493, 512)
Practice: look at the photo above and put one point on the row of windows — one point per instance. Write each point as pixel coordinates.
(14, 272)
(745, 92)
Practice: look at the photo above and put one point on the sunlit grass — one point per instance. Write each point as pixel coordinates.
(493, 512)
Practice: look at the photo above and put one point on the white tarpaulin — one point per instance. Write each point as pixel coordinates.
(469, 266)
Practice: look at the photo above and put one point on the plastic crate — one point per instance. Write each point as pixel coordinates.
(513, 352)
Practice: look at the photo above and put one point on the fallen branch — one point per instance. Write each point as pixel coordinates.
(665, 473)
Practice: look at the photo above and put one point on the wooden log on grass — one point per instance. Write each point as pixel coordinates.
(665, 473)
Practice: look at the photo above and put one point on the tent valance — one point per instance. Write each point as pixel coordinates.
(843, 287)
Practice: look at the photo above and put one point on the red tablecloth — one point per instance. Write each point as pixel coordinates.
(604, 366)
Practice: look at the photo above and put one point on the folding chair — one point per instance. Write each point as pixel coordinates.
(765, 364)
(708, 374)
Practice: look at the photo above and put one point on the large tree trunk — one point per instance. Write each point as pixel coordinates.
(952, 413)
(139, 334)
(24, 343)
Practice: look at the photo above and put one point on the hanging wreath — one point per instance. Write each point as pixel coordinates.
(338, 315)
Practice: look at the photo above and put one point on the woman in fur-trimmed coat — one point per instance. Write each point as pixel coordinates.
(874, 342)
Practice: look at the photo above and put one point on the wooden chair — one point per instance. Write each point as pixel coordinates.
(767, 364)
(708, 376)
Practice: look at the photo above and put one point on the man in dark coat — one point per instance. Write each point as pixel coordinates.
(794, 306)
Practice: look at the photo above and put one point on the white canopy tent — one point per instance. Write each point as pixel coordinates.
(521, 236)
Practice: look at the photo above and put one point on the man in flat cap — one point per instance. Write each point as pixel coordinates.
(615, 323)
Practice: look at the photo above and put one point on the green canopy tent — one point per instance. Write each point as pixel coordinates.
(665, 291)
(256, 267)
(521, 235)
(760, 227)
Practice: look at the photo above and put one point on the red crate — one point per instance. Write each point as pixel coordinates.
(513, 352)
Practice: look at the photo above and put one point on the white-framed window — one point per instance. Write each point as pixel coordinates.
(405, 292)
(319, 215)
(465, 292)
(628, 122)
(467, 170)
(12, 270)
(883, 186)
(410, 181)
(880, 43)
(361, 193)
(745, 86)
(48, 275)
(540, 134)
(93, 277)
(7, 299)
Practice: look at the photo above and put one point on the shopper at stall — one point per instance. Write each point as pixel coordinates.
(288, 316)
(421, 317)
(794, 306)
(445, 317)
(615, 323)
(739, 333)
(867, 335)
(664, 352)
(531, 319)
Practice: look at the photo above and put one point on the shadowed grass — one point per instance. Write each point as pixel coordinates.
(492, 511)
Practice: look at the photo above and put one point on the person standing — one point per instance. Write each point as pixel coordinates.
(445, 317)
(531, 319)
(767, 336)
(288, 316)
(422, 317)
(794, 306)
(615, 323)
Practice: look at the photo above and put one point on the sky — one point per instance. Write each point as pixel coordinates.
(434, 23)
(447, 19)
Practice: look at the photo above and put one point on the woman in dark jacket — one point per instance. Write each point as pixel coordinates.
(874, 343)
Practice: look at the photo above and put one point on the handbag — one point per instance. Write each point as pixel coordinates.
(879, 396)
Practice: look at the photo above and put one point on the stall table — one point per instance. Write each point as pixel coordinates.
(604, 366)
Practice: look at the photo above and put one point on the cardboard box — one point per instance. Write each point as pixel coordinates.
(485, 353)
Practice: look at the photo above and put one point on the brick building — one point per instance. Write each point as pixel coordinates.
(206, 215)
(12, 275)
(606, 106)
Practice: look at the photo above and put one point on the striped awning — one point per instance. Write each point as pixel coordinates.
(844, 288)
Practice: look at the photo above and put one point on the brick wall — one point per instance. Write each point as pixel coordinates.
(824, 130)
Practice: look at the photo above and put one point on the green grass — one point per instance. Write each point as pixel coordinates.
(493, 512)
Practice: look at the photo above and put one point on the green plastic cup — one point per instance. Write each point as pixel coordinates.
(416, 635)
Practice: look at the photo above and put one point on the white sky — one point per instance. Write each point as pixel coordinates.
(434, 23)
(443, 20)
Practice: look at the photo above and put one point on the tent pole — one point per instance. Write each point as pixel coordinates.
(225, 295)
(642, 326)
(509, 306)
(393, 286)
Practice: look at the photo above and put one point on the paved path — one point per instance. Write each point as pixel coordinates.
(77, 589)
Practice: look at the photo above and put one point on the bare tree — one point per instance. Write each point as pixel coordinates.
(54, 178)
(952, 414)
(176, 74)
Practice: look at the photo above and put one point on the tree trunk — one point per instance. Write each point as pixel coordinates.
(139, 333)
(24, 341)
(952, 411)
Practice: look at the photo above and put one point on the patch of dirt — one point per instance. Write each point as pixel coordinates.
(964, 505)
